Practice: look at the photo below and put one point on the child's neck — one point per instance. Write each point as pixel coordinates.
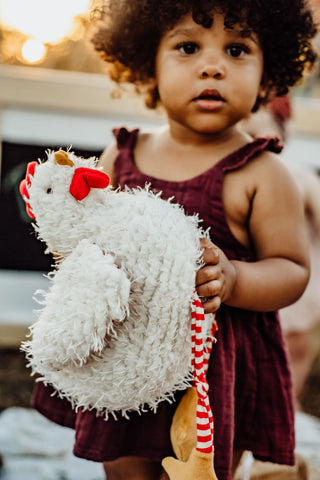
(180, 136)
(170, 156)
(227, 140)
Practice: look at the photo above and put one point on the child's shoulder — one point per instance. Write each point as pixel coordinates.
(107, 159)
(268, 161)
(273, 165)
(269, 185)
(264, 180)
(268, 169)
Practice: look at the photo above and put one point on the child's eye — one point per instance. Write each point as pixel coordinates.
(188, 48)
(237, 50)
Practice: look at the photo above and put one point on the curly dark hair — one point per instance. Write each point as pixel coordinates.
(129, 32)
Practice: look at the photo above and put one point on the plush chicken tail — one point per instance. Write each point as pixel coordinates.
(192, 426)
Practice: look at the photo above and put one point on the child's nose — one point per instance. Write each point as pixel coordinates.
(212, 68)
(214, 71)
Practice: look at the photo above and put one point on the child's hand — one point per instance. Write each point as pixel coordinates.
(216, 279)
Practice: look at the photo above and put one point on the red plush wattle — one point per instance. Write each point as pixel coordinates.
(25, 183)
(84, 179)
(23, 188)
(30, 171)
(30, 212)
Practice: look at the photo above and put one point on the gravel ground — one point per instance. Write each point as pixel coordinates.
(16, 384)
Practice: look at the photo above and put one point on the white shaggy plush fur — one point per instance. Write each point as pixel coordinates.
(114, 330)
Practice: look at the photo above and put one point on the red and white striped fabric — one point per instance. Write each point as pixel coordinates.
(200, 359)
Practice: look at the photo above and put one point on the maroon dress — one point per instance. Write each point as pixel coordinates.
(250, 385)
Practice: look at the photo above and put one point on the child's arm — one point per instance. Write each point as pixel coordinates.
(309, 185)
(276, 228)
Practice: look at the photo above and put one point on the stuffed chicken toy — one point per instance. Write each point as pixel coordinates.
(114, 330)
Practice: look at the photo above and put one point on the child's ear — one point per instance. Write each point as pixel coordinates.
(264, 90)
(263, 94)
(152, 98)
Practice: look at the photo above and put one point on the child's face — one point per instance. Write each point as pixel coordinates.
(208, 78)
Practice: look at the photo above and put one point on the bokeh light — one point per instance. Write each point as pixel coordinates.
(48, 34)
(33, 50)
(45, 20)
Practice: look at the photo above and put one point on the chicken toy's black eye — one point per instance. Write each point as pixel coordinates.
(49, 190)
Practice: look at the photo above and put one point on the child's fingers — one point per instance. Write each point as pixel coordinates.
(212, 304)
(205, 274)
(208, 278)
(210, 254)
(209, 289)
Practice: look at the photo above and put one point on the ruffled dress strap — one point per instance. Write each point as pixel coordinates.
(240, 157)
(125, 172)
(125, 139)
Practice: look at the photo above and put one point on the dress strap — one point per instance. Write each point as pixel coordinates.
(240, 157)
(125, 139)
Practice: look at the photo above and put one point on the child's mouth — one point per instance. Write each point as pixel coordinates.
(210, 95)
(209, 99)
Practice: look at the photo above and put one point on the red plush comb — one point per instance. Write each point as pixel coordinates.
(26, 183)
(86, 178)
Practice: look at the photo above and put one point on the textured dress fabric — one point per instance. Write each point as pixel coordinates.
(249, 378)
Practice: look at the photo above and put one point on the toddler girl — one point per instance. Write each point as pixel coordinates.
(209, 63)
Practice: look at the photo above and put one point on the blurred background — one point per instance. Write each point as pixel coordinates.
(54, 92)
